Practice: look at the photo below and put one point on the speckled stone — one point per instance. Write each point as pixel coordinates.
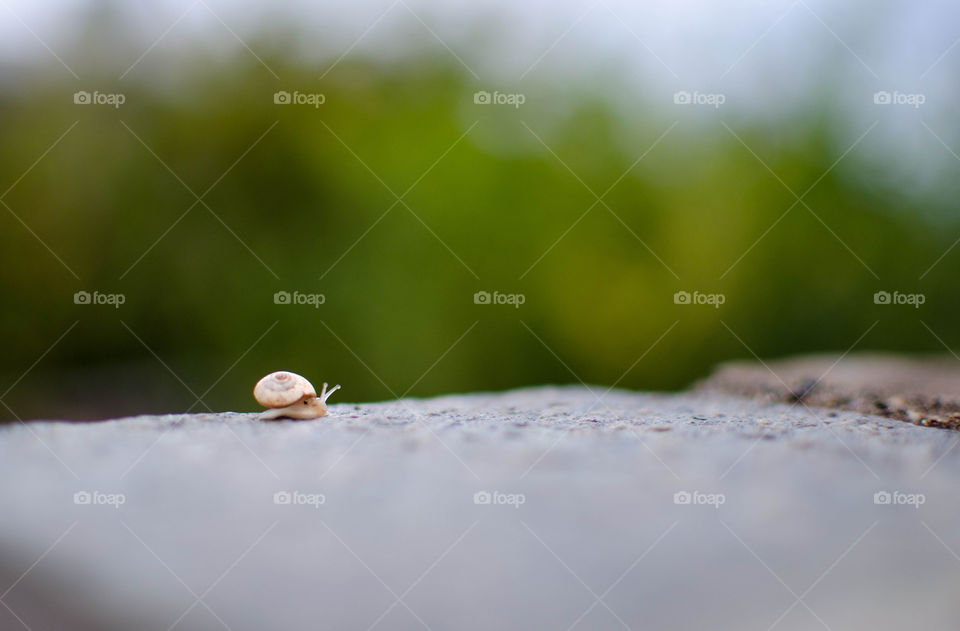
(544, 508)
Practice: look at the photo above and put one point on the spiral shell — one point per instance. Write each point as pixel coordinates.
(280, 389)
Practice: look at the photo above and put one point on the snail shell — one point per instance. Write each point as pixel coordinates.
(291, 396)
(280, 389)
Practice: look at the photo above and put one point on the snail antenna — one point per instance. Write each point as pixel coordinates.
(325, 394)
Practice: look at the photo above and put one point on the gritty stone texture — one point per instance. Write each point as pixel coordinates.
(598, 541)
(920, 390)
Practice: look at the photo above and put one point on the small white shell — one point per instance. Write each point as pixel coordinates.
(280, 389)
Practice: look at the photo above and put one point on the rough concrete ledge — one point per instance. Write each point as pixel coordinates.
(509, 510)
(924, 390)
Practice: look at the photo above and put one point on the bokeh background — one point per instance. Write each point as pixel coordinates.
(400, 197)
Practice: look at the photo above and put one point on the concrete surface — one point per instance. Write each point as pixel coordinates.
(583, 530)
(922, 389)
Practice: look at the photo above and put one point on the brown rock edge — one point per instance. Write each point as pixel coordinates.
(923, 390)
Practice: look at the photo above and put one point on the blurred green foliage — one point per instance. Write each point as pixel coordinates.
(302, 199)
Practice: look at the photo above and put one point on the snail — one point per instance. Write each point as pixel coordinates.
(288, 395)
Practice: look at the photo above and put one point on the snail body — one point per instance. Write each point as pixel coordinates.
(288, 395)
